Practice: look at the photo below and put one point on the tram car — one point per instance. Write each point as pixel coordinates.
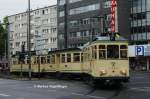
(99, 61)
(106, 61)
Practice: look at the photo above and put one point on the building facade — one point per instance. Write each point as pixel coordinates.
(140, 34)
(80, 21)
(43, 30)
(140, 23)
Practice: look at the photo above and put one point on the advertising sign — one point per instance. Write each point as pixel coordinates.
(113, 15)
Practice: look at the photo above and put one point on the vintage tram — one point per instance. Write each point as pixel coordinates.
(101, 60)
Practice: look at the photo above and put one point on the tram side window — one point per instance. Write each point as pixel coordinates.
(38, 59)
(43, 60)
(102, 52)
(76, 57)
(48, 59)
(14, 62)
(68, 57)
(94, 52)
(34, 60)
(82, 57)
(113, 51)
(63, 58)
(123, 51)
(53, 59)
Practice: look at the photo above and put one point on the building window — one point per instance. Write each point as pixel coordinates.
(73, 1)
(62, 2)
(84, 9)
(107, 4)
(61, 14)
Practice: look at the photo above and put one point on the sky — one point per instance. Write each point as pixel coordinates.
(10, 7)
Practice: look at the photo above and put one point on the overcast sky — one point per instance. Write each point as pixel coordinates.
(10, 7)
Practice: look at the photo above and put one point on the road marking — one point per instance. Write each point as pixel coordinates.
(97, 97)
(140, 77)
(4, 95)
(51, 90)
(144, 89)
(140, 83)
(77, 94)
(21, 98)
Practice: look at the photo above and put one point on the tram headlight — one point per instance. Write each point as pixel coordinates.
(123, 72)
(103, 72)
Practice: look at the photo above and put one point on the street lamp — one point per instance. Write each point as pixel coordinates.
(29, 39)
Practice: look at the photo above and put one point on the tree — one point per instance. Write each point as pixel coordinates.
(3, 36)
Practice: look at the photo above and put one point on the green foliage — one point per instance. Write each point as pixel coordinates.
(3, 35)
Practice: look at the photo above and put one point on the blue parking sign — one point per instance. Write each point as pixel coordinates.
(139, 50)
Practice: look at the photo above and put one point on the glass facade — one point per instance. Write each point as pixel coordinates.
(140, 20)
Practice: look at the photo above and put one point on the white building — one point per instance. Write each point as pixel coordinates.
(43, 30)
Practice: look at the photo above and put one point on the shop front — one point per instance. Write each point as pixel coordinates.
(139, 56)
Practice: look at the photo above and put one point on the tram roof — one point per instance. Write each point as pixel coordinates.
(65, 50)
(107, 38)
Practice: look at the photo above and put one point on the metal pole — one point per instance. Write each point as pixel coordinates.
(66, 24)
(8, 48)
(29, 40)
(39, 66)
(21, 69)
(5, 49)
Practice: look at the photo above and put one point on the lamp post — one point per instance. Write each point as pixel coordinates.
(29, 40)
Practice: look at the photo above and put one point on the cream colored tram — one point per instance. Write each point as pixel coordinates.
(17, 66)
(64, 62)
(106, 61)
(70, 61)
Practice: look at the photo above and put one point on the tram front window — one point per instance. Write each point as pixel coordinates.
(123, 51)
(112, 51)
(76, 57)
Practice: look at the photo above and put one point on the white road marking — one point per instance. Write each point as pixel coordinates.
(141, 77)
(140, 83)
(51, 90)
(97, 97)
(4, 95)
(21, 98)
(144, 89)
(77, 94)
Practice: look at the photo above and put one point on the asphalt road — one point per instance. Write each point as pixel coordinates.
(138, 88)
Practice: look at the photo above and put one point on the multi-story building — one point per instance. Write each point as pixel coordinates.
(140, 34)
(140, 23)
(43, 30)
(80, 21)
